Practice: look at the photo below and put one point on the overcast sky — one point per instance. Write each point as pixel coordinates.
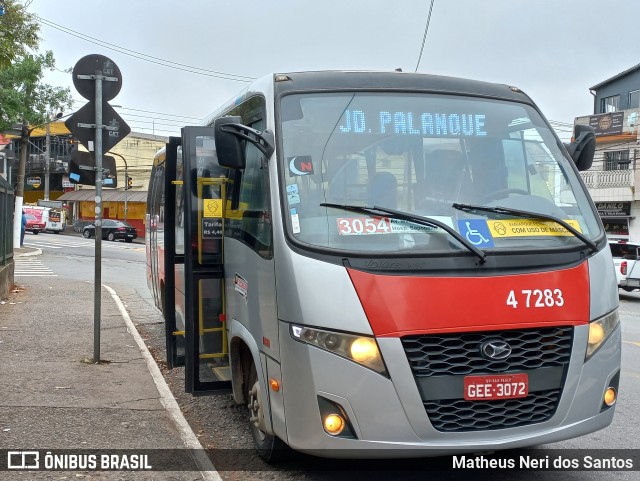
(554, 50)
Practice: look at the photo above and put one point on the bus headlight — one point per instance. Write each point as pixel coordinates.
(600, 330)
(360, 349)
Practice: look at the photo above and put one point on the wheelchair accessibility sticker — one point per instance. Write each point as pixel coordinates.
(476, 231)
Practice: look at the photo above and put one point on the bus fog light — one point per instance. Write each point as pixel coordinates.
(610, 396)
(334, 424)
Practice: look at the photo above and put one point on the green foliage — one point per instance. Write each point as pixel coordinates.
(18, 32)
(23, 95)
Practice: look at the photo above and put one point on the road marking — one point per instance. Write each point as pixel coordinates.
(59, 244)
(31, 267)
(631, 342)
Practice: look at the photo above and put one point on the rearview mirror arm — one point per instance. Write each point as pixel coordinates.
(263, 140)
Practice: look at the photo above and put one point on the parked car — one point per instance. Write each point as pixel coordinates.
(626, 258)
(34, 224)
(112, 230)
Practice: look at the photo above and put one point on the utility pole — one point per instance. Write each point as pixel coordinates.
(47, 153)
(47, 160)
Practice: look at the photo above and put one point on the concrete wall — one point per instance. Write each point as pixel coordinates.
(6, 279)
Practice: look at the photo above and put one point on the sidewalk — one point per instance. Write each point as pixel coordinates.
(53, 397)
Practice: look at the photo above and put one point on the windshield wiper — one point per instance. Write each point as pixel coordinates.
(416, 219)
(526, 214)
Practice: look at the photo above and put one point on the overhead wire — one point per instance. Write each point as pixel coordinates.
(424, 38)
(143, 56)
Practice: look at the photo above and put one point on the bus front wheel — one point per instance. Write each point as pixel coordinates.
(269, 447)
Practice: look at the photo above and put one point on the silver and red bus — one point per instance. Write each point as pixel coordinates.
(386, 265)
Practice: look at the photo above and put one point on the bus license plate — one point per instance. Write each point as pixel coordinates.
(503, 386)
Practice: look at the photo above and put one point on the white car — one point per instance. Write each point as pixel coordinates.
(626, 256)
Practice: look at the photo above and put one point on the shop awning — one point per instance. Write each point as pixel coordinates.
(107, 196)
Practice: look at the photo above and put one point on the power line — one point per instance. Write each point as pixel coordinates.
(424, 38)
(143, 56)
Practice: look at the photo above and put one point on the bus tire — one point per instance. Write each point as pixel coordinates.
(270, 448)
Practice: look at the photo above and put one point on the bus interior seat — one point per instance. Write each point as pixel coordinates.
(445, 173)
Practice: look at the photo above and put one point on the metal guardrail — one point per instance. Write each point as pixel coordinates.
(7, 206)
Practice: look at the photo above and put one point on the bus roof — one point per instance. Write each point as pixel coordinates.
(360, 80)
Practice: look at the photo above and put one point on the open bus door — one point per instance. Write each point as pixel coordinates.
(199, 187)
(173, 252)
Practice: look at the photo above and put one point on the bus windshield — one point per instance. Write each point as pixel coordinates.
(425, 154)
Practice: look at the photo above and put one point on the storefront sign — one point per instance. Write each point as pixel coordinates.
(613, 209)
(607, 124)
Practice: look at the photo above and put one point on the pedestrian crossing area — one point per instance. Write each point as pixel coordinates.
(31, 266)
(60, 242)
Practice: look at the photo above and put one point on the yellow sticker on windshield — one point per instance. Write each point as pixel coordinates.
(529, 227)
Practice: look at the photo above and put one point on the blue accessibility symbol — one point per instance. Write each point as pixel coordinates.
(476, 231)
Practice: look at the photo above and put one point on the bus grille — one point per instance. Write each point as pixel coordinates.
(448, 358)
(460, 415)
(459, 354)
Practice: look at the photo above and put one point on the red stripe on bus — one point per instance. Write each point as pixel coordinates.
(398, 305)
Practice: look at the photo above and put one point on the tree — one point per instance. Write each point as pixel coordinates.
(18, 32)
(25, 100)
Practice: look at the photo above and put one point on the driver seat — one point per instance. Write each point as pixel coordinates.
(445, 174)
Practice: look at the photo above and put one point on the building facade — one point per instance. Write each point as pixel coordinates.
(133, 157)
(613, 178)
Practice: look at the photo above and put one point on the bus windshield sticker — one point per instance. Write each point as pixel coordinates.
(413, 123)
(300, 165)
(530, 227)
(476, 231)
(384, 225)
(241, 285)
(292, 194)
(295, 221)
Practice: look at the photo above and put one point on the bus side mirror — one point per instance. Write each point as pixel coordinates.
(229, 146)
(583, 147)
(230, 136)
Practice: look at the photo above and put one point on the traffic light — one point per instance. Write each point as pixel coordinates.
(129, 183)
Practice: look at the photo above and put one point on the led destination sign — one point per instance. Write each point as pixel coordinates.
(413, 123)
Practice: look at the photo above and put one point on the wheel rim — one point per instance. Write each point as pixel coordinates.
(255, 411)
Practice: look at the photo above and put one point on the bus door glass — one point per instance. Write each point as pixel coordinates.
(172, 292)
(207, 358)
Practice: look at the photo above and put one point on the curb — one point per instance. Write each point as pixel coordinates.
(35, 252)
(190, 440)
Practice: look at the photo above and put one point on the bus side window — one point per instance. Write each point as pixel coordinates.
(255, 201)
